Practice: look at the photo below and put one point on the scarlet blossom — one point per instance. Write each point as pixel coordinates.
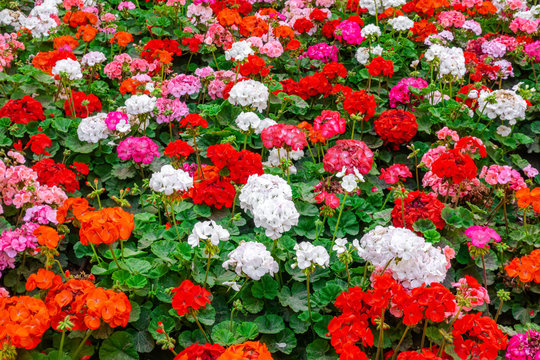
(307, 87)
(200, 352)
(189, 297)
(22, 111)
(329, 199)
(248, 350)
(23, 320)
(318, 15)
(149, 50)
(348, 155)
(228, 17)
(302, 25)
(471, 145)
(213, 189)
(422, 29)
(468, 94)
(193, 120)
(360, 103)
(252, 26)
(38, 143)
(131, 86)
(66, 42)
(86, 32)
(426, 354)
(47, 236)
(455, 166)
(417, 205)
(253, 66)
(333, 70)
(284, 32)
(242, 6)
(396, 127)
(84, 104)
(379, 66)
(192, 43)
(178, 149)
(43, 279)
(45, 61)
(525, 267)
(56, 174)
(526, 197)
(329, 28)
(81, 168)
(79, 18)
(105, 226)
(477, 337)
(329, 124)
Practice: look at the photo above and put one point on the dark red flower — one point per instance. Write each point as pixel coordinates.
(193, 120)
(85, 104)
(455, 166)
(178, 149)
(189, 297)
(55, 174)
(333, 70)
(302, 25)
(38, 143)
(396, 127)
(81, 168)
(22, 111)
(200, 352)
(417, 205)
(360, 102)
(477, 337)
(379, 66)
(318, 15)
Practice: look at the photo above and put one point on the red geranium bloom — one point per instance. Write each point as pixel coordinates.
(396, 127)
(302, 25)
(201, 352)
(55, 174)
(360, 102)
(329, 27)
(23, 111)
(178, 149)
(38, 143)
(189, 297)
(81, 168)
(379, 66)
(484, 338)
(417, 205)
(333, 70)
(85, 104)
(318, 15)
(471, 144)
(192, 43)
(254, 66)
(454, 165)
(193, 120)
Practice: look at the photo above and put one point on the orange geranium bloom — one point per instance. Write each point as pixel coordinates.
(130, 86)
(78, 206)
(47, 236)
(253, 26)
(122, 38)
(527, 197)
(106, 226)
(284, 31)
(112, 307)
(228, 17)
(65, 41)
(43, 279)
(45, 61)
(163, 56)
(428, 7)
(23, 320)
(249, 350)
(87, 32)
(79, 18)
(527, 268)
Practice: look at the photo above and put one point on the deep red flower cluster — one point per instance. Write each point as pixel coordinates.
(22, 111)
(192, 43)
(417, 205)
(233, 165)
(85, 104)
(201, 352)
(307, 87)
(193, 120)
(242, 6)
(253, 66)
(360, 102)
(329, 27)
(422, 29)
(178, 149)
(379, 66)
(56, 174)
(333, 70)
(434, 303)
(318, 15)
(426, 354)
(151, 48)
(396, 127)
(477, 337)
(302, 25)
(38, 143)
(189, 297)
(455, 166)
(213, 189)
(471, 145)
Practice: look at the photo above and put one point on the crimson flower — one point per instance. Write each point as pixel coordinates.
(189, 297)
(193, 120)
(38, 143)
(454, 165)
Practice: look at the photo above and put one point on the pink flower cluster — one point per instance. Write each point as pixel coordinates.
(113, 118)
(182, 85)
(322, 52)
(469, 289)
(41, 214)
(170, 110)
(348, 155)
(15, 241)
(445, 133)
(524, 25)
(217, 85)
(481, 235)
(451, 18)
(349, 32)
(19, 187)
(217, 35)
(395, 173)
(503, 175)
(329, 123)
(533, 50)
(140, 149)
(280, 135)
(400, 94)
(8, 47)
(524, 346)
(272, 49)
(128, 5)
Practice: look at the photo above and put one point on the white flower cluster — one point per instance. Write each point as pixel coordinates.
(377, 7)
(308, 255)
(169, 180)
(207, 230)
(69, 68)
(239, 51)
(269, 199)
(362, 53)
(401, 23)
(412, 260)
(276, 155)
(451, 61)
(340, 246)
(504, 104)
(39, 21)
(253, 260)
(93, 128)
(349, 182)
(371, 30)
(249, 93)
(93, 58)
(247, 121)
(140, 104)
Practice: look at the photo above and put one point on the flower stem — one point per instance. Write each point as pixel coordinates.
(114, 257)
(485, 279)
(339, 218)
(61, 349)
(81, 344)
(424, 334)
(498, 311)
(400, 342)
(200, 327)
(308, 300)
(381, 335)
(207, 267)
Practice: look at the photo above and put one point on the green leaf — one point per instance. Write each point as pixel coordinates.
(320, 350)
(164, 250)
(119, 346)
(295, 298)
(202, 210)
(270, 324)
(137, 281)
(284, 342)
(248, 330)
(326, 295)
(143, 341)
(423, 225)
(266, 287)
(138, 266)
(348, 224)
(460, 217)
(74, 144)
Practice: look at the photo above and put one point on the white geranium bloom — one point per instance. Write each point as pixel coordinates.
(207, 230)
(169, 180)
(308, 255)
(68, 68)
(253, 260)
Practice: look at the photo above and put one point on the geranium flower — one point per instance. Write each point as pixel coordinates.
(189, 297)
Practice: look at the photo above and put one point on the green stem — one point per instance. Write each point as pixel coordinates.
(308, 300)
(339, 218)
(81, 344)
(485, 279)
(400, 342)
(352, 132)
(424, 334)
(207, 267)
(381, 335)
(498, 311)
(200, 327)
(114, 257)
(61, 349)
